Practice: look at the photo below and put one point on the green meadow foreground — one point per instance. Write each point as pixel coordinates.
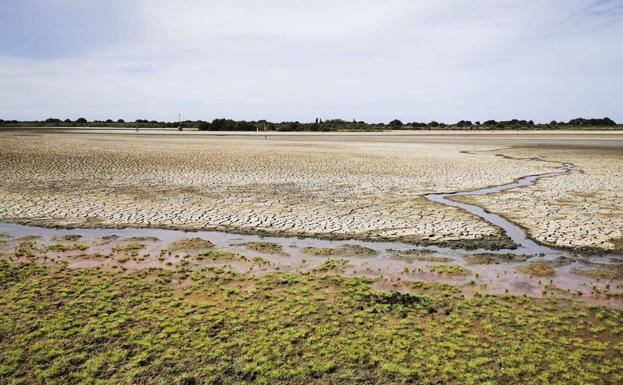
(147, 306)
(211, 326)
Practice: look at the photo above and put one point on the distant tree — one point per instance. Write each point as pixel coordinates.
(433, 124)
(203, 126)
(395, 123)
(52, 121)
(592, 122)
(120, 121)
(67, 121)
(223, 125)
(81, 120)
(109, 121)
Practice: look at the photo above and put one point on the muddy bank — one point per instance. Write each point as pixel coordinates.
(391, 262)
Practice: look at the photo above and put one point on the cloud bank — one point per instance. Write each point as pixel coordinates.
(368, 60)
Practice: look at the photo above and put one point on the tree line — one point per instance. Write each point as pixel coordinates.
(317, 125)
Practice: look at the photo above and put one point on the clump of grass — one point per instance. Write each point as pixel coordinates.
(608, 272)
(264, 247)
(215, 255)
(448, 269)
(67, 238)
(261, 261)
(432, 258)
(62, 247)
(27, 249)
(332, 265)
(346, 250)
(128, 247)
(190, 244)
(491, 258)
(537, 269)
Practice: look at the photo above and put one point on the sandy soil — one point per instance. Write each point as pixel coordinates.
(329, 186)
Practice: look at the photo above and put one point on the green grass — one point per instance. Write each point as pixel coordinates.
(67, 247)
(450, 269)
(211, 326)
(131, 247)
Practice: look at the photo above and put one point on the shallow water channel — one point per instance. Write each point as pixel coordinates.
(393, 263)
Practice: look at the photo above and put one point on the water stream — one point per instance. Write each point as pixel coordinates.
(224, 240)
(514, 232)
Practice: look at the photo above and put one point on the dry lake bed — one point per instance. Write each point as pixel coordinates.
(402, 257)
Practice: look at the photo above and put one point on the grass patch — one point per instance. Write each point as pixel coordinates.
(67, 238)
(448, 269)
(346, 250)
(609, 272)
(61, 326)
(62, 247)
(264, 247)
(493, 259)
(190, 244)
(128, 247)
(537, 269)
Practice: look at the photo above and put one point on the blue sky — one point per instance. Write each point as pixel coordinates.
(370, 60)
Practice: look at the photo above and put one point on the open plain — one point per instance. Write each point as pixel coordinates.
(329, 186)
(196, 258)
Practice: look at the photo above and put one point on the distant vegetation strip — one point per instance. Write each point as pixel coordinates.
(322, 125)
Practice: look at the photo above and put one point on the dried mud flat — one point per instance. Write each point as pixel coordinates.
(308, 186)
(580, 211)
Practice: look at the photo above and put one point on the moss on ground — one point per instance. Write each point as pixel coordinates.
(211, 326)
(346, 250)
(450, 269)
(491, 259)
(264, 247)
(190, 244)
(537, 269)
(610, 272)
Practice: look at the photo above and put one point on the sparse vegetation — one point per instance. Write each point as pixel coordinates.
(67, 246)
(190, 244)
(352, 250)
(490, 258)
(449, 269)
(609, 272)
(264, 247)
(537, 269)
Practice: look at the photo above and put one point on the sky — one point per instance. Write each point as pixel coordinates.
(371, 60)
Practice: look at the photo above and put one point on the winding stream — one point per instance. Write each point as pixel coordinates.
(514, 232)
(224, 240)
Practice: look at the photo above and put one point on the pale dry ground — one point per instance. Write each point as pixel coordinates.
(583, 210)
(324, 188)
(329, 186)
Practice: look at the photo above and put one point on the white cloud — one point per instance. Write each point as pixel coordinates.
(372, 60)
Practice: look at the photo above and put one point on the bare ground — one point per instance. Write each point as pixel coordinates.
(327, 186)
